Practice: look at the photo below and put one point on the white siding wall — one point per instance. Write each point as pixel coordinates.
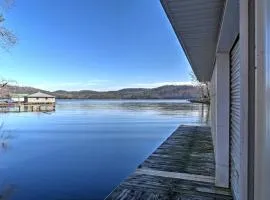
(18, 99)
(40, 100)
(262, 144)
(235, 121)
(213, 106)
(219, 118)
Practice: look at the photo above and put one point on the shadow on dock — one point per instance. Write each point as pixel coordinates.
(182, 168)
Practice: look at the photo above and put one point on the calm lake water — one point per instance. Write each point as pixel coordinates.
(86, 148)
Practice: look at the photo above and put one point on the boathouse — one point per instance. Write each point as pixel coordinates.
(40, 98)
(227, 43)
(18, 98)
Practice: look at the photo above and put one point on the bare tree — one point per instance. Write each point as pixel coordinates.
(6, 82)
(203, 85)
(5, 136)
(3, 83)
(7, 4)
(8, 190)
(7, 40)
(7, 37)
(4, 87)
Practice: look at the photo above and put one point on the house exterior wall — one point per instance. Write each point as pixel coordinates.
(40, 100)
(220, 124)
(220, 112)
(220, 118)
(226, 147)
(262, 103)
(239, 178)
(245, 49)
(17, 99)
(238, 21)
(213, 106)
(235, 120)
(240, 169)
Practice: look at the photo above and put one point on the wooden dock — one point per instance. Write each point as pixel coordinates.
(27, 107)
(182, 168)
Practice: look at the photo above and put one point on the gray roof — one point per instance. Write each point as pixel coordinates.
(40, 94)
(18, 95)
(197, 26)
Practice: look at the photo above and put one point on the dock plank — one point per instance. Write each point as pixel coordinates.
(182, 168)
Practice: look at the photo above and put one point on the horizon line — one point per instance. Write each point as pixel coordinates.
(106, 90)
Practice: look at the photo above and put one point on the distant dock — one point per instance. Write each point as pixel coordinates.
(37, 102)
(27, 107)
(183, 167)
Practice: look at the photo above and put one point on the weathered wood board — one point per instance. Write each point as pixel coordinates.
(188, 154)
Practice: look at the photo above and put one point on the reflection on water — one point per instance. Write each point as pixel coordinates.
(160, 107)
(85, 148)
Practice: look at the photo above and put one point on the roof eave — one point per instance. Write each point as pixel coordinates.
(166, 8)
(202, 65)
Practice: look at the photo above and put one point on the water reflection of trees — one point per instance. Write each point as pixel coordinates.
(6, 190)
(170, 108)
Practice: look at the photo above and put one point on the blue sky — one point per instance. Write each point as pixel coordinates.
(92, 44)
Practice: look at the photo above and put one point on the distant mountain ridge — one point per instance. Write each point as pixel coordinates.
(163, 92)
